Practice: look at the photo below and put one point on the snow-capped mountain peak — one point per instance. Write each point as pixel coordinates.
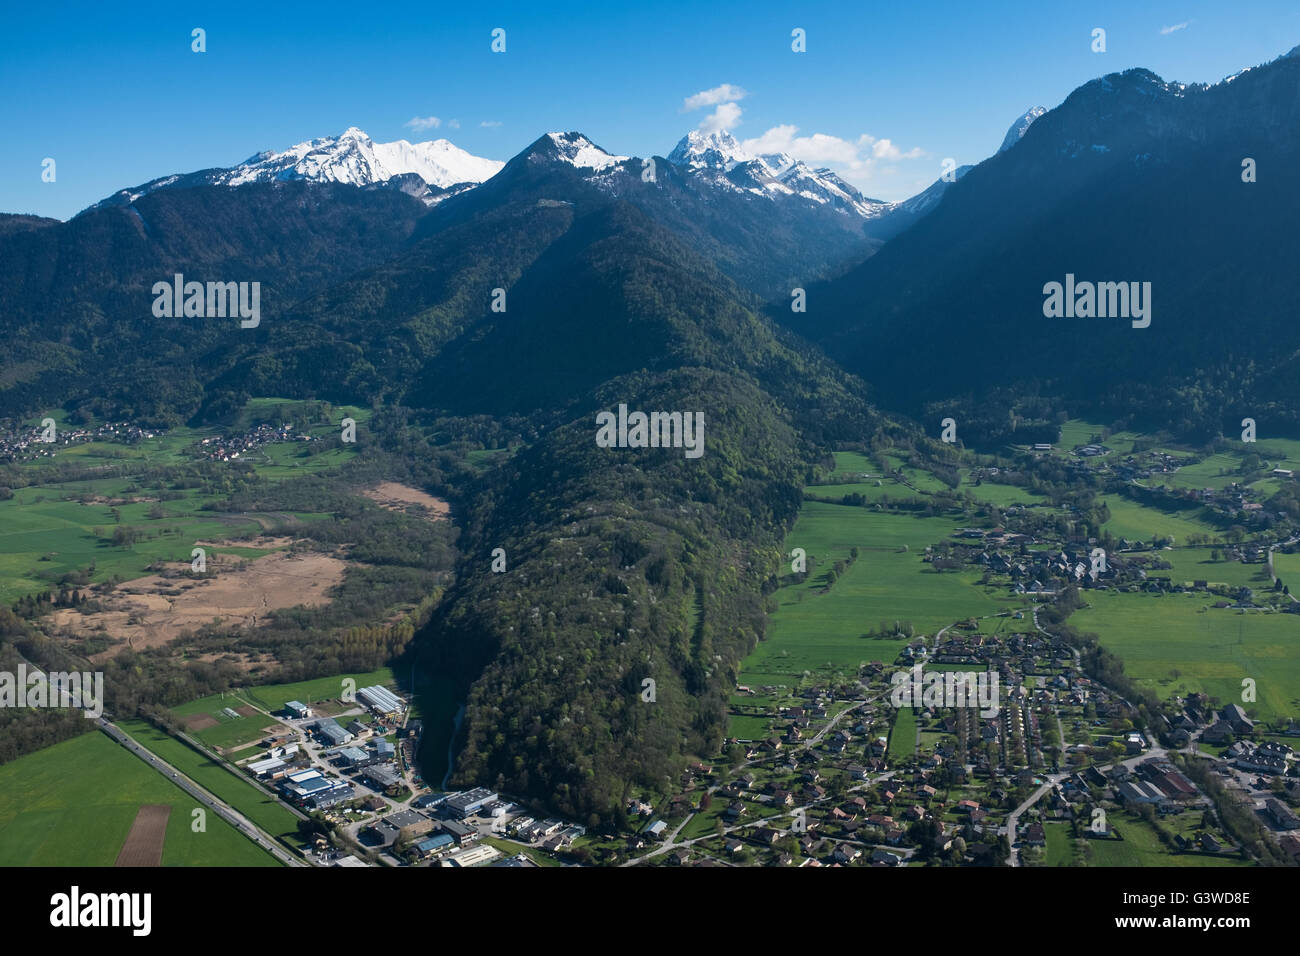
(577, 150)
(353, 157)
(713, 150)
(719, 157)
(1020, 127)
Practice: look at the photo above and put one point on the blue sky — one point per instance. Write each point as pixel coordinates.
(118, 98)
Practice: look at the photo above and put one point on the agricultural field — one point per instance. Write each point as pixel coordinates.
(1175, 645)
(49, 532)
(1287, 567)
(74, 803)
(265, 811)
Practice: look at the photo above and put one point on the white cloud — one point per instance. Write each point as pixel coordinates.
(860, 161)
(1175, 28)
(726, 116)
(726, 93)
(453, 124)
(489, 124)
(421, 123)
(884, 149)
(854, 159)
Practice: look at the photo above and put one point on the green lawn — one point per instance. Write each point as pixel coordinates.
(1142, 847)
(73, 804)
(902, 739)
(1060, 845)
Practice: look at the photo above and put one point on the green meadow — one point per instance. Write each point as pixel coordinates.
(811, 630)
(273, 697)
(1197, 564)
(73, 804)
(46, 530)
(902, 739)
(1078, 432)
(1287, 567)
(1128, 519)
(1001, 495)
(1174, 645)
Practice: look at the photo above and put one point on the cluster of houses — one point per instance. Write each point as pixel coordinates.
(231, 447)
(1231, 722)
(26, 444)
(1156, 782)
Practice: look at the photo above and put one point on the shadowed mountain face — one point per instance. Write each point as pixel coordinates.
(757, 231)
(1131, 179)
(76, 302)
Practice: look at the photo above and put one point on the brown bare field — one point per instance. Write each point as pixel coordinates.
(153, 610)
(246, 711)
(199, 722)
(144, 844)
(397, 497)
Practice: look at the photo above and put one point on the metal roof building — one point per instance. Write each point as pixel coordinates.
(470, 802)
(439, 841)
(329, 728)
(380, 699)
(382, 776)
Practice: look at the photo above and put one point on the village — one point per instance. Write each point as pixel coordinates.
(30, 443)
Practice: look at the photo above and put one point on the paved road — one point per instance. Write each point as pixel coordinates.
(223, 810)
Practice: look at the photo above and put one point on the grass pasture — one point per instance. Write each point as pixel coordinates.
(73, 804)
(1210, 650)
